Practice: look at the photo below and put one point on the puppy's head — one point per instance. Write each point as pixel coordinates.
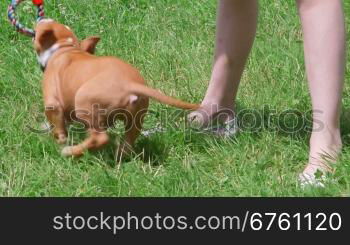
(49, 33)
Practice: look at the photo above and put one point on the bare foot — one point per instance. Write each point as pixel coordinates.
(208, 113)
(215, 119)
(325, 148)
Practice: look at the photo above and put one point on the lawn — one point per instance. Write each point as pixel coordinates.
(172, 43)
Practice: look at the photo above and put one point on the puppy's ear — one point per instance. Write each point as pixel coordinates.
(89, 44)
(47, 39)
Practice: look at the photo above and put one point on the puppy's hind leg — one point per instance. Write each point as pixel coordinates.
(94, 141)
(133, 128)
(94, 121)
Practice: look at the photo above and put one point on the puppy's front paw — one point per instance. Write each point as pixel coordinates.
(67, 151)
(61, 139)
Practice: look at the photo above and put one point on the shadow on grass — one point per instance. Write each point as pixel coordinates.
(154, 149)
(292, 123)
(286, 123)
(149, 150)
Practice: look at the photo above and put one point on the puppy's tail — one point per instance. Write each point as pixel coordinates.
(140, 89)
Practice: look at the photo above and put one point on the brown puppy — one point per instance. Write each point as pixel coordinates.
(93, 90)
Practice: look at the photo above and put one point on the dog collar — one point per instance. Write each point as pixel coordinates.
(45, 56)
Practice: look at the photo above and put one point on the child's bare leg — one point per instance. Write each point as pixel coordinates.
(236, 28)
(324, 38)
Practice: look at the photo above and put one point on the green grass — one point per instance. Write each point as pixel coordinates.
(171, 42)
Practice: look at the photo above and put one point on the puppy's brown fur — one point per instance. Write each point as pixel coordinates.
(76, 82)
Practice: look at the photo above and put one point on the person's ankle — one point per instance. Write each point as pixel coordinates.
(215, 108)
(328, 137)
(325, 147)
